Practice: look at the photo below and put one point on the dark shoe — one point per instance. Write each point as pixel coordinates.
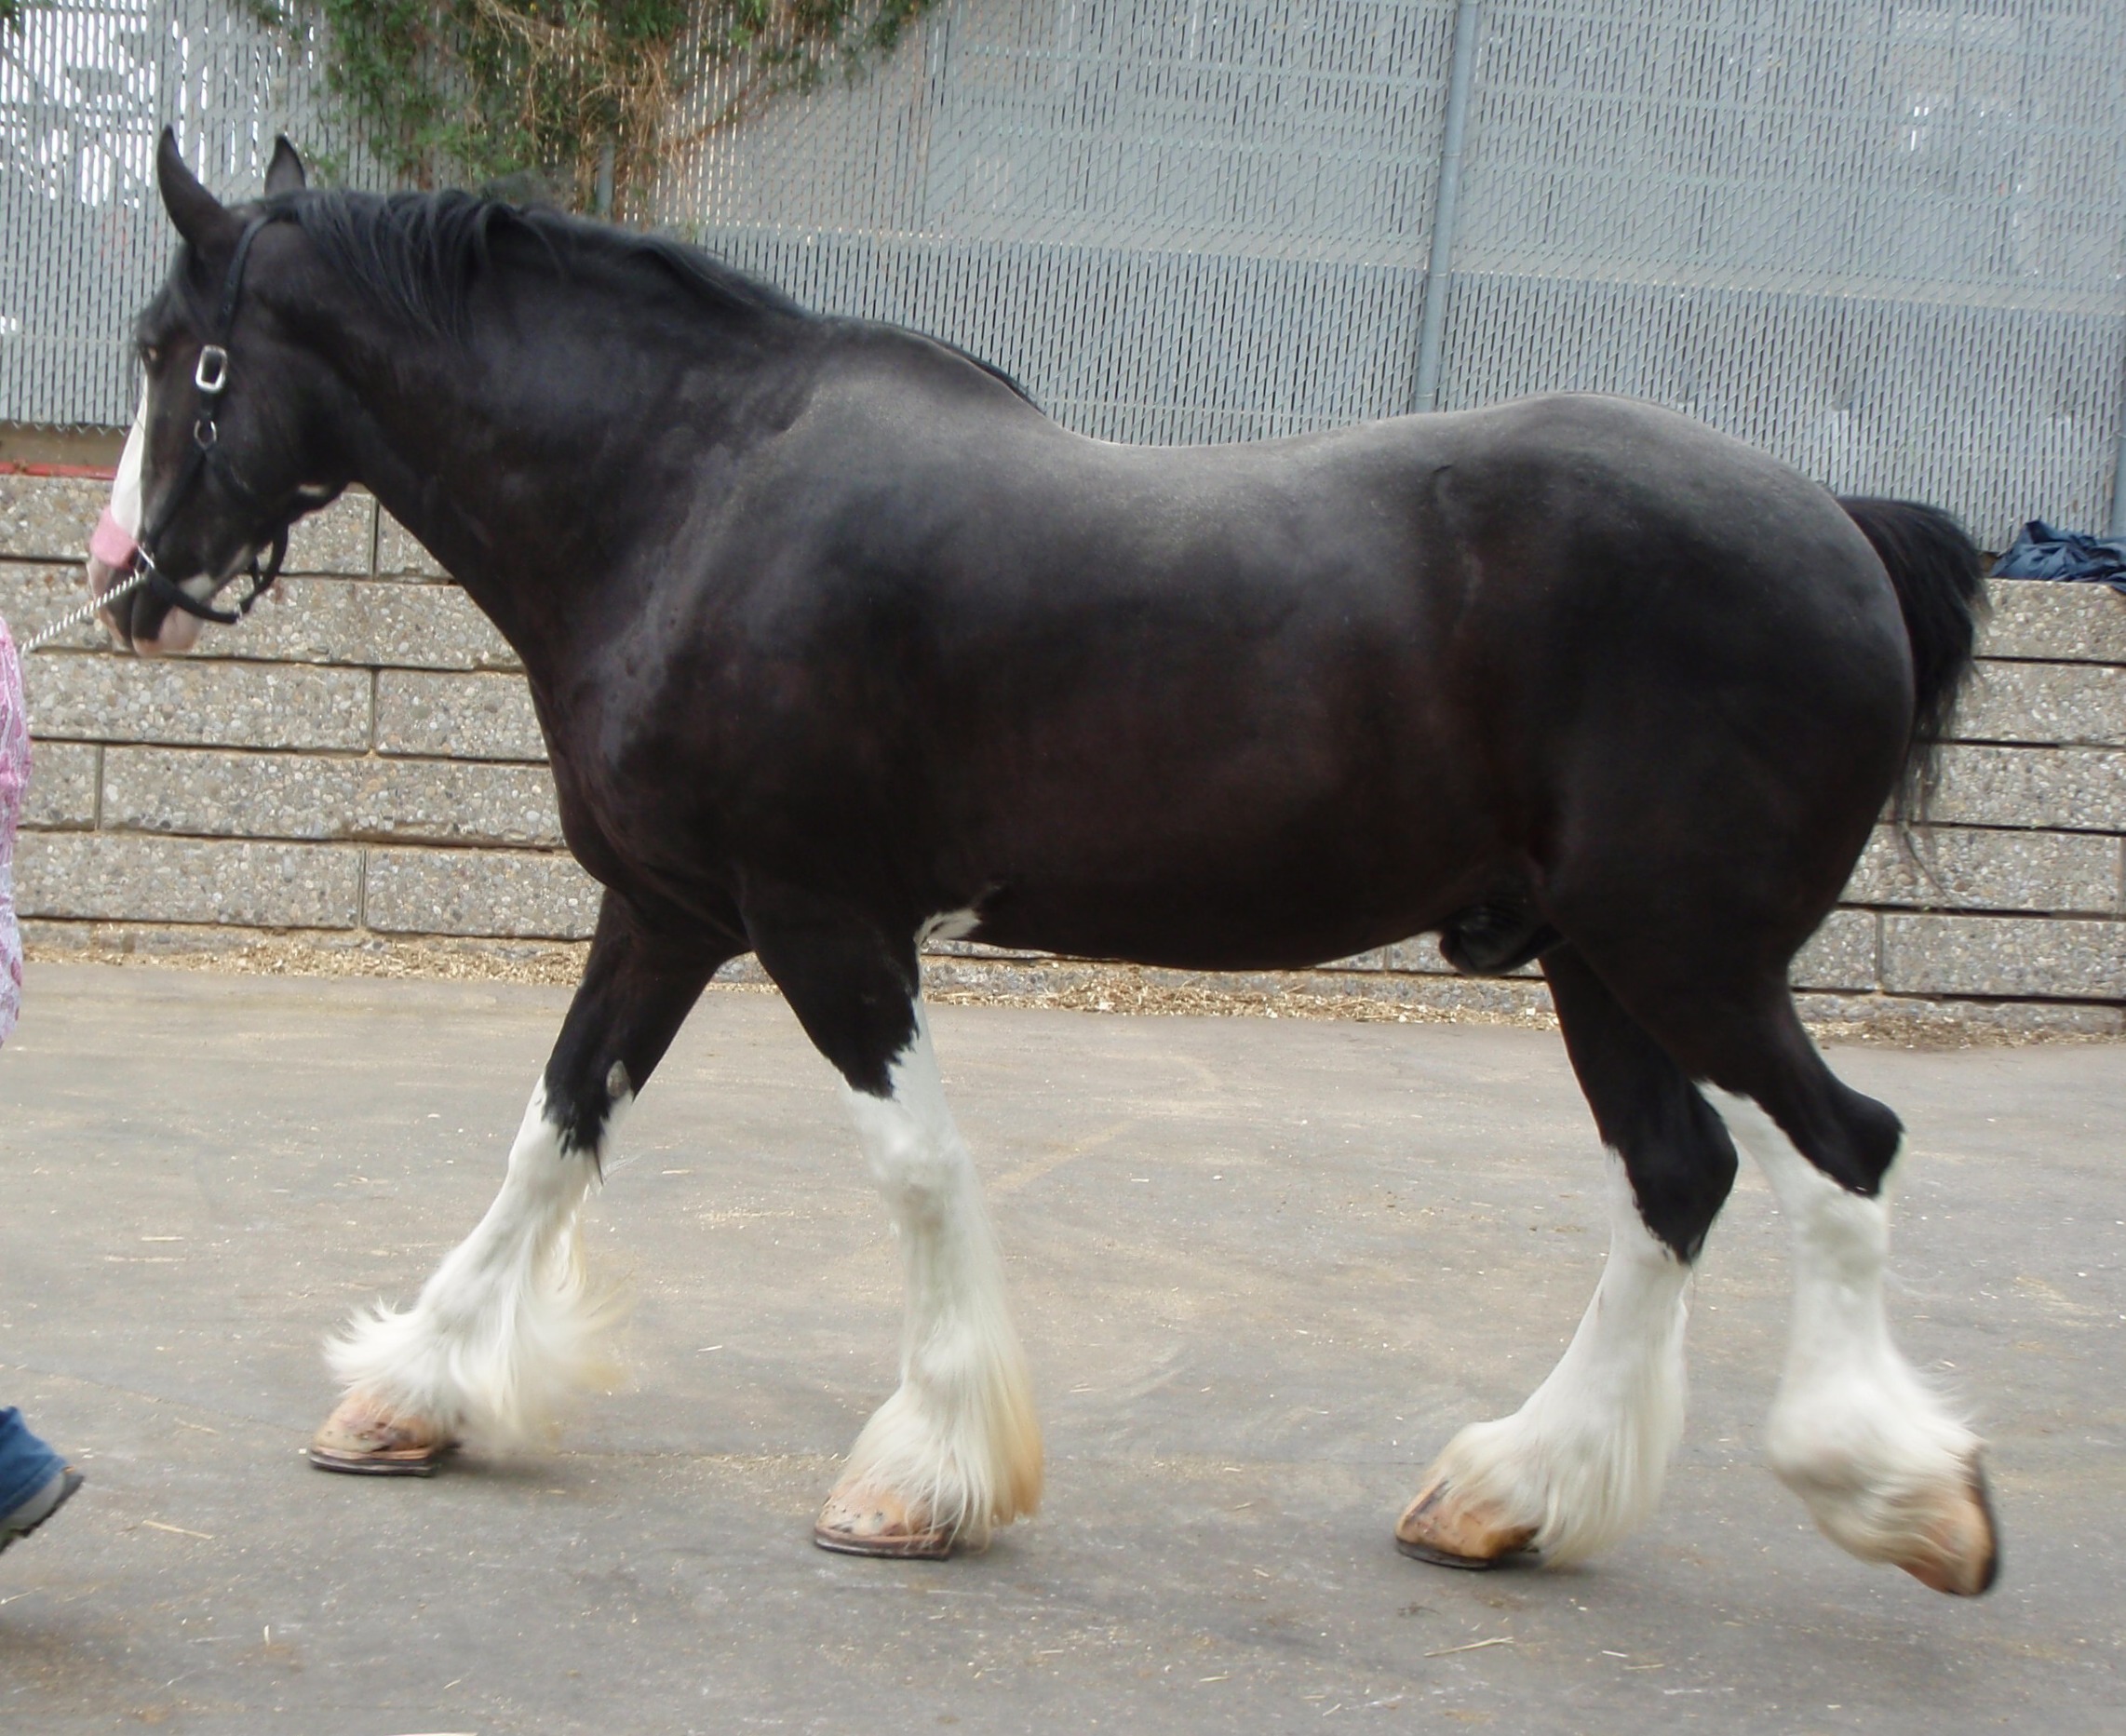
(39, 1507)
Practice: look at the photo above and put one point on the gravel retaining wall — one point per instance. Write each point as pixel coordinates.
(360, 762)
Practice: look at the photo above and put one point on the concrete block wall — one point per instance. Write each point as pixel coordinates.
(361, 756)
(2011, 901)
(360, 759)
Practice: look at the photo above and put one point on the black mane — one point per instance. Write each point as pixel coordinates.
(419, 252)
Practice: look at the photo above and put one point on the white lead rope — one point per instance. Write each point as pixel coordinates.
(90, 610)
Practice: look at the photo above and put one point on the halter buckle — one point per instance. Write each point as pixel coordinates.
(212, 373)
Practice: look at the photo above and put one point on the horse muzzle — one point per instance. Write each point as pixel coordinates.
(133, 621)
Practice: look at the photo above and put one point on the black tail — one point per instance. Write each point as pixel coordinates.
(1941, 586)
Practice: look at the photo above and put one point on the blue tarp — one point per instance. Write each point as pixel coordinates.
(2041, 552)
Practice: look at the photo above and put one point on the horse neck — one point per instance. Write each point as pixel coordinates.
(532, 499)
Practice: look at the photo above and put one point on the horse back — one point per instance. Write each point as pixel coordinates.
(1321, 691)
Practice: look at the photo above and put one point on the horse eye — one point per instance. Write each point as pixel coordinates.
(150, 354)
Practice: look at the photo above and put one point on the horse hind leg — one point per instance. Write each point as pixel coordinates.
(507, 1327)
(1886, 1470)
(1581, 1463)
(1884, 1467)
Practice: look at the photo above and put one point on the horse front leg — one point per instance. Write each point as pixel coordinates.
(508, 1327)
(955, 1450)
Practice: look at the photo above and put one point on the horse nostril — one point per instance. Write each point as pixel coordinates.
(175, 633)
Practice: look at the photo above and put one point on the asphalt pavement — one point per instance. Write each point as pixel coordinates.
(1263, 1268)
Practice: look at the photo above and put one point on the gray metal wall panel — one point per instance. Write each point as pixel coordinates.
(1887, 242)
(86, 86)
(1883, 240)
(1171, 221)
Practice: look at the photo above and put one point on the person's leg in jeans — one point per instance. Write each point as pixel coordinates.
(33, 1480)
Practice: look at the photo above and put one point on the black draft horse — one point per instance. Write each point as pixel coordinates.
(839, 643)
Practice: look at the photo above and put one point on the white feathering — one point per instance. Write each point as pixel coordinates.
(1584, 1459)
(507, 1329)
(959, 1440)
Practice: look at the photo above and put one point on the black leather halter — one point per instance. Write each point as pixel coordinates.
(209, 379)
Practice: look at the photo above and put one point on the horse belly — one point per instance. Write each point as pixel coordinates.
(1251, 893)
(1250, 761)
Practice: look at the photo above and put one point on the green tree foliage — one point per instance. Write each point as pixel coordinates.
(560, 88)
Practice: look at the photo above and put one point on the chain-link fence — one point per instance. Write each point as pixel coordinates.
(85, 86)
(1886, 241)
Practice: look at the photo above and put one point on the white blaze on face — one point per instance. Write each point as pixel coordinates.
(117, 538)
(118, 532)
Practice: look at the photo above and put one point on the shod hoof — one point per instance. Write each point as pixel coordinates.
(876, 1522)
(1444, 1528)
(361, 1438)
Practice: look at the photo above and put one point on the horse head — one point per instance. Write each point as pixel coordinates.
(232, 441)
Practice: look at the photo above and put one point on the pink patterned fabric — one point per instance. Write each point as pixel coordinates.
(14, 781)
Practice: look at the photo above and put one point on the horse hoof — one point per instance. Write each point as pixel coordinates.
(1960, 1551)
(1444, 1528)
(876, 1522)
(362, 1438)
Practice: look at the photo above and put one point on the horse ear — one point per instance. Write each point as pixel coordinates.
(198, 216)
(285, 173)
